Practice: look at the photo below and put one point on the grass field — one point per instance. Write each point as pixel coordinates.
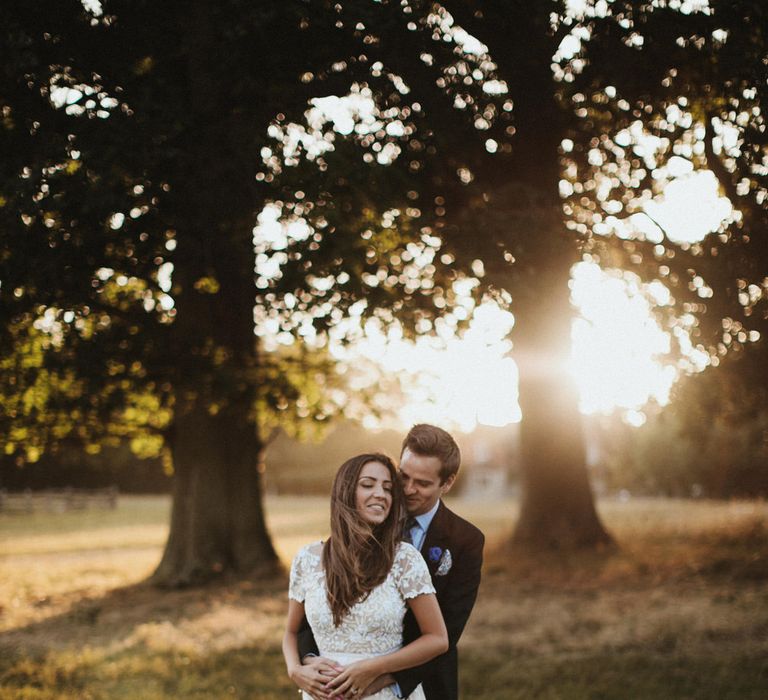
(680, 611)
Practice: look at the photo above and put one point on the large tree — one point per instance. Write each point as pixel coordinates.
(138, 161)
(636, 92)
(649, 91)
(583, 117)
(133, 138)
(474, 172)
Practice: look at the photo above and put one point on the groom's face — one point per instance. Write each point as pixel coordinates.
(420, 476)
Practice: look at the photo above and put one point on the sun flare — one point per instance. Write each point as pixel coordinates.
(618, 353)
(620, 359)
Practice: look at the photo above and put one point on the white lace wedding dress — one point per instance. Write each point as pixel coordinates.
(372, 627)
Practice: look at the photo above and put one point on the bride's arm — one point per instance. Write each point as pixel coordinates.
(310, 679)
(290, 638)
(432, 642)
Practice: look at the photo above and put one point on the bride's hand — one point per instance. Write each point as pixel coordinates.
(312, 676)
(354, 679)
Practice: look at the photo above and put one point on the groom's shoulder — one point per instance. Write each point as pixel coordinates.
(462, 527)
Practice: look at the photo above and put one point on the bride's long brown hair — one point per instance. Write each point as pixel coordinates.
(358, 556)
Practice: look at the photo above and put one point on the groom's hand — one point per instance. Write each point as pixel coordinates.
(313, 675)
(379, 684)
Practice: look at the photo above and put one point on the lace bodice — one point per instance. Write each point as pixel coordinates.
(374, 625)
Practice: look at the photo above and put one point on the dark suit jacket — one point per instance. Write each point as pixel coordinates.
(456, 593)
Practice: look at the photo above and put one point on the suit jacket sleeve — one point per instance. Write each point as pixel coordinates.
(306, 640)
(456, 595)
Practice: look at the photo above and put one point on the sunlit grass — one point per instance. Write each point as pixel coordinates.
(243, 673)
(679, 611)
(140, 521)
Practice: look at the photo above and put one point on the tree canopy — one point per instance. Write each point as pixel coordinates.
(503, 141)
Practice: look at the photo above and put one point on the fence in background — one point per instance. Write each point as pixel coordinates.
(58, 500)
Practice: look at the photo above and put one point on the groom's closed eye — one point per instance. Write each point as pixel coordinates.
(418, 482)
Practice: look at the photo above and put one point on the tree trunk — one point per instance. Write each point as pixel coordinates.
(217, 521)
(557, 509)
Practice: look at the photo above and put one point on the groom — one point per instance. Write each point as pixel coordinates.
(453, 550)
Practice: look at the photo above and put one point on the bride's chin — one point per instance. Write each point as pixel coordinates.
(375, 521)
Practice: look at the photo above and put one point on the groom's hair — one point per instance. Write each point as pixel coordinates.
(430, 441)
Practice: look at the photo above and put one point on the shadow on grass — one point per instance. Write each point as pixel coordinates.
(220, 640)
(733, 554)
(246, 672)
(616, 675)
(663, 616)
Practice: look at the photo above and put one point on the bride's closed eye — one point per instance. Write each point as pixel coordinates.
(369, 484)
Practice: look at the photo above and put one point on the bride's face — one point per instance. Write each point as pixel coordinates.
(373, 496)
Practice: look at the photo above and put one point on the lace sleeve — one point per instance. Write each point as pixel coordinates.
(297, 581)
(413, 576)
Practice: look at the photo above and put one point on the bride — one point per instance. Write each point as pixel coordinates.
(355, 587)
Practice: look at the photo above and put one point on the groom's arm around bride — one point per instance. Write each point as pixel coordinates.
(456, 594)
